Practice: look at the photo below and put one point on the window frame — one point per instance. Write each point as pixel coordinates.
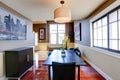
(108, 29)
(57, 44)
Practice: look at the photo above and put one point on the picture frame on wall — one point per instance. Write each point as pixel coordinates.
(42, 34)
(80, 28)
(12, 27)
(78, 32)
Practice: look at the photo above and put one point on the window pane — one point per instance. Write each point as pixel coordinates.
(95, 25)
(53, 28)
(53, 38)
(100, 43)
(99, 33)
(104, 21)
(99, 23)
(114, 44)
(95, 43)
(119, 13)
(113, 17)
(95, 33)
(105, 32)
(113, 30)
(57, 33)
(105, 43)
(61, 28)
(61, 38)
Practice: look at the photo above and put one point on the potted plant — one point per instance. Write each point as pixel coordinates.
(63, 48)
(64, 45)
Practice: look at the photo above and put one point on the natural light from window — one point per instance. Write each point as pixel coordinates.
(57, 33)
(106, 31)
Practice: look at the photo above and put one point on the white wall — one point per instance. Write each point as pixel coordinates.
(11, 44)
(108, 62)
(85, 32)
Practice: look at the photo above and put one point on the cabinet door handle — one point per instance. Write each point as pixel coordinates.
(27, 58)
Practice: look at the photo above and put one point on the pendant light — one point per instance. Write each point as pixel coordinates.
(62, 14)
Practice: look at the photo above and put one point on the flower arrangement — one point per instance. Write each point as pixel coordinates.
(64, 45)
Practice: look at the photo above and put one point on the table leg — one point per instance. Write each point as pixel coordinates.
(49, 76)
(78, 72)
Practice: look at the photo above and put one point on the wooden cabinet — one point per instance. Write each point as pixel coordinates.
(18, 61)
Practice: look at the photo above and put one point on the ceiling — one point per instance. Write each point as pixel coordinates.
(42, 10)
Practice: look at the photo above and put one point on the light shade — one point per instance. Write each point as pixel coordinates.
(62, 15)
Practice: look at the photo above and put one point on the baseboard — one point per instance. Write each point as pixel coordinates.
(98, 70)
(3, 78)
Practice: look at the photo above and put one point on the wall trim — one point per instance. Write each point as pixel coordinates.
(98, 69)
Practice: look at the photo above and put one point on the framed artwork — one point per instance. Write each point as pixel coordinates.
(42, 34)
(11, 26)
(78, 32)
(80, 28)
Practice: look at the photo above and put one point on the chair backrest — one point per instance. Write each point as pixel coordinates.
(77, 51)
(63, 71)
(49, 52)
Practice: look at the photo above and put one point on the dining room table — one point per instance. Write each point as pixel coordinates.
(67, 57)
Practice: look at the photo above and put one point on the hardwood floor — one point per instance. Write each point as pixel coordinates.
(41, 73)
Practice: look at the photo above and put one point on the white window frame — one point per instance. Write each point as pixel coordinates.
(109, 22)
(55, 45)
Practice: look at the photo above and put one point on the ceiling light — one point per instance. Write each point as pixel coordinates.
(62, 14)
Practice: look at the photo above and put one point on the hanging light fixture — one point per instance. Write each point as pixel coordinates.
(62, 14)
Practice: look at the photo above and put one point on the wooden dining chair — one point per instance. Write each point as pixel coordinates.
(63, 71)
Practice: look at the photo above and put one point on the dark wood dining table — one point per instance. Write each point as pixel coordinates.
(69, 56)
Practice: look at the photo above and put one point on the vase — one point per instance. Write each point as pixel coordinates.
(63, 53)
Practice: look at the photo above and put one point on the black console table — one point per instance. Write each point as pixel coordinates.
(17, 62)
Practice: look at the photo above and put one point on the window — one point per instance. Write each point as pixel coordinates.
(57, 33)
(106, 31)
(113, 33)
(100, 33)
